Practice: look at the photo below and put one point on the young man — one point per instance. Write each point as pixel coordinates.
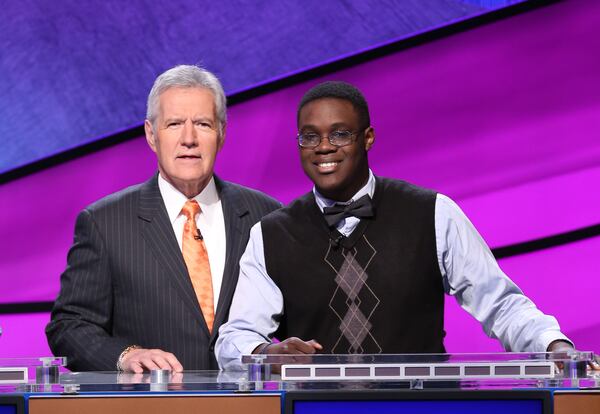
(361, 263)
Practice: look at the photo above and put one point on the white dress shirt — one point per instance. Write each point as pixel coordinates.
(469, 271)
(210, 221)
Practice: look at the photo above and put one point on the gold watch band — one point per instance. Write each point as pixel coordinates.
(122, 356)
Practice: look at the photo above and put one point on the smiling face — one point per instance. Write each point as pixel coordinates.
(185, 138)
(337, 172)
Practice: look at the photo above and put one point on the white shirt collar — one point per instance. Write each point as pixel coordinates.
(174, 199)
(368, 188)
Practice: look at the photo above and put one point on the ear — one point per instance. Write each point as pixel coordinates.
(222, 137)
(369, 138)
(150, 137)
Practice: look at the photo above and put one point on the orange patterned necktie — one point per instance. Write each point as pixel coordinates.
(196, 259)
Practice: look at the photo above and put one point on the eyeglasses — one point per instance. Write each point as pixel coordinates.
(336, 138)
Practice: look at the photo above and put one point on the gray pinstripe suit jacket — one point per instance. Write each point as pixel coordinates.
(126, 281)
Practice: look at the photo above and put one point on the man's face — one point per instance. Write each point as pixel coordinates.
(185, 138)
(337, 172)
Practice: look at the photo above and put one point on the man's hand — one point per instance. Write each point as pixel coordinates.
(291, 345)
(595, 364)
(139, 360)
(563, 346)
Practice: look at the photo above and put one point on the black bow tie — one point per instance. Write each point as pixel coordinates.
(360, 208)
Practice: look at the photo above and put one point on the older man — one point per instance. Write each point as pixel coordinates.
(153, 268)
(361, 263)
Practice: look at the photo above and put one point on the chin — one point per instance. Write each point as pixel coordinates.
(193, 175)
(329, 191)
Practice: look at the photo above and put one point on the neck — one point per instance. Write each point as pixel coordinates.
(187, 188)
(345, 194)
(191, 191)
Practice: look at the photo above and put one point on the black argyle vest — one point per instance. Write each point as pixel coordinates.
(377, 291)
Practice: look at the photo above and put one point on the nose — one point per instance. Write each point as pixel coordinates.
(188, 134)
(325, 146)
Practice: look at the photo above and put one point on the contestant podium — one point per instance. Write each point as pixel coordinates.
(515, 383)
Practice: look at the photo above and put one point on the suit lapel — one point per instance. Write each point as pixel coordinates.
(158, 232)
(236, 226)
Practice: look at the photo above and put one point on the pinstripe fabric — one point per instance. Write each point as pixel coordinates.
(126, 281)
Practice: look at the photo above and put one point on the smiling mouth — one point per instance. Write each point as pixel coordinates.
(326, 167)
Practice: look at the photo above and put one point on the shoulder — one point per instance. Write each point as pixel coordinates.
(404, 189)
(117, 201)
(297, 208)
(112, 211)
(251, 197)
(448, 213)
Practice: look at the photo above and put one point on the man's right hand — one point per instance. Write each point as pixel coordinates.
(291, 345)
(139, 360)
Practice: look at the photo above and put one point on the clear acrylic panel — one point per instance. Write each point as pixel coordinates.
(279, 373)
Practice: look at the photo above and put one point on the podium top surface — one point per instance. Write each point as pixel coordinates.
(279, 373)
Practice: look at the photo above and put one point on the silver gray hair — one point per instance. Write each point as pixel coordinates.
(188, 76)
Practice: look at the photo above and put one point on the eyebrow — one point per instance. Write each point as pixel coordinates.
(203, 118)
(182, 119)
(332, 127)
(340, 125)
(174, 119)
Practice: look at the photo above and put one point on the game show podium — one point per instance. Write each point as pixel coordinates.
(513, 383)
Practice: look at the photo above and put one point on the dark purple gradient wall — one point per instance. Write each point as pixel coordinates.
(503, 118)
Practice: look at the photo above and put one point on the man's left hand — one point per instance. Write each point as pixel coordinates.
(564, 346)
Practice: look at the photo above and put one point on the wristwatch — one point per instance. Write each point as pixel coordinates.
(122, 356)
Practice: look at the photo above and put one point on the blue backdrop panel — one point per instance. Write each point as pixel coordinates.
(73, 71)
(419, 407)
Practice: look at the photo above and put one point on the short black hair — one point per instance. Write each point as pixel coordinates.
(339, 90)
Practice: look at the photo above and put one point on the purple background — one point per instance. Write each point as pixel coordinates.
(503, 118)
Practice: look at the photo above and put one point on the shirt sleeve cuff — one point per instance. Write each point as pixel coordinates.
(546, 338)
(251, 346)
